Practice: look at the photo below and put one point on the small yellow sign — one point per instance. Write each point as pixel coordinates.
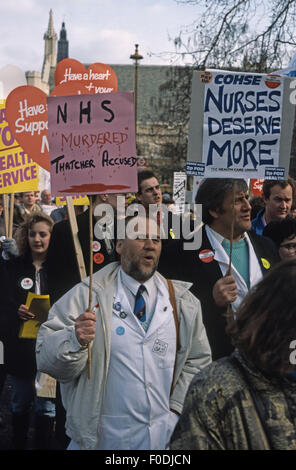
(39, 305)
(77, 201)
(18, 173)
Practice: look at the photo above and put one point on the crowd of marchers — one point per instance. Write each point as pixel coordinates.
(162, 347)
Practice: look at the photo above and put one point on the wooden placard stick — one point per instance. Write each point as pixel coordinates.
(250, 188)
(90, 273)
(11, 210)
(79, 254)
(74, 230)
(231, 238)
(6, 213)
(232, 228)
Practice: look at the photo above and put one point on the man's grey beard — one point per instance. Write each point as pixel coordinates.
(136, 273)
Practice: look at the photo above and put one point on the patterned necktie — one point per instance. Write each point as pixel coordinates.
(140, 304)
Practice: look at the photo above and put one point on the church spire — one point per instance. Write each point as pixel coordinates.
(63, 44)
(50, 31)
(50, 48)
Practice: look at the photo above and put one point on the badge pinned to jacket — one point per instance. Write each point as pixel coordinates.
(27, 283)
(206, 256)
(98, 258)
(96, 246)
(265, 263)
(120, 330)
(172, 235)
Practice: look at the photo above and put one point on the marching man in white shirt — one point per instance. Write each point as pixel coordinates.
(147, 342)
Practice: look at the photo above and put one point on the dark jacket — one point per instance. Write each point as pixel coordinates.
(186, 265)
(219, 413)
(61, 265)
(19, 353)
(2, 226)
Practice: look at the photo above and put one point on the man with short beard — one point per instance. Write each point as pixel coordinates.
(147, 345)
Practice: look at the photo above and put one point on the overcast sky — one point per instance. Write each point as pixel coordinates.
(97, 30)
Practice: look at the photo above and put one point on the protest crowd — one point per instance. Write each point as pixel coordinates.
(137, 319)
(155, 345)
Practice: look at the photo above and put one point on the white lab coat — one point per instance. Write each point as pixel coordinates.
(136, 413)
(59, 354)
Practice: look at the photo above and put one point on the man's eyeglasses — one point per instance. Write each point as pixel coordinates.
(289, 246)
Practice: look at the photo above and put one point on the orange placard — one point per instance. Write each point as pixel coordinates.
(26, 106)
(26, 113)
(71, 78)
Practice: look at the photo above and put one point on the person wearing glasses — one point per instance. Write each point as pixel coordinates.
(283, 233)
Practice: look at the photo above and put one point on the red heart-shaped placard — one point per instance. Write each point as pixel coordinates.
(26, 112)
(71, 77)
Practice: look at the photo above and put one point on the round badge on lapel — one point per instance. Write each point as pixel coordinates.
(120, 330)
(27, 283)
(206, 256)
(117, 306)
(99, 258)
(122, 314)
(96, 246)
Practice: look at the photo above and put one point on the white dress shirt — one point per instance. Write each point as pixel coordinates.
(131, 287)
(222, 258)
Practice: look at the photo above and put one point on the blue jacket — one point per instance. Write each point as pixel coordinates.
(257, 224)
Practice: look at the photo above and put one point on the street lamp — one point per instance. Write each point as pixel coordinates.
(136, 57)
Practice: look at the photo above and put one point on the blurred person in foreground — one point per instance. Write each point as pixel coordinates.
(248, 400)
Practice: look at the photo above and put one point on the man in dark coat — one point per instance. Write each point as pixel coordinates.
(207, 267)
(149, 193)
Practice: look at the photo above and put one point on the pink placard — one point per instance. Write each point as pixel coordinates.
(92, 144)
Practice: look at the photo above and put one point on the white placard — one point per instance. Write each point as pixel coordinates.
(179, 191)
(240, 125)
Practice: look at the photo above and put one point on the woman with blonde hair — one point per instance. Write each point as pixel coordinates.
(23, 274)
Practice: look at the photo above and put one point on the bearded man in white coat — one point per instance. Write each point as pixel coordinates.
(146, 346)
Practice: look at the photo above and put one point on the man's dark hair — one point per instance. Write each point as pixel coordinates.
(279, 230)
(257, 204)
(268, 184)
(265, 324)
(144, 175)
(212, 192)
